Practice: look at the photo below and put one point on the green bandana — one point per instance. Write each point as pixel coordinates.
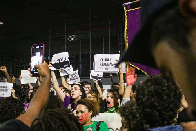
(112, 110)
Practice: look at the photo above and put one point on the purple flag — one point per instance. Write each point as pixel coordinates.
(132, 26)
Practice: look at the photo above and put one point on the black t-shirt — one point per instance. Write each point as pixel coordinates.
(14, 125)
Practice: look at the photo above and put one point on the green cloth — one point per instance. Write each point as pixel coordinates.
(103, 126)
(112, 110)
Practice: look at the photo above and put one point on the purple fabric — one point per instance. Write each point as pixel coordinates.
(133, 26)
(0, 98)
(67, 102)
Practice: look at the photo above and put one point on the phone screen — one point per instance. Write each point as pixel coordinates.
(37, 57)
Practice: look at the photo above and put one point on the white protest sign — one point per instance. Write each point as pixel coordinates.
(105, 62)
(5, 89)
(113, 120)
(74, 77)
(124, 67)
(60, 60)
(67, 71)
(26, 78)
(96, 75)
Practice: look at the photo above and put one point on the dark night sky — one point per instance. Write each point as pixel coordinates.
(27, 22)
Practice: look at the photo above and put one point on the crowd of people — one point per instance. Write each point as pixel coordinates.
(163, 102)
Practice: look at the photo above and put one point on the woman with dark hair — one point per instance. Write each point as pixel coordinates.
(112, 102)
(85, 111)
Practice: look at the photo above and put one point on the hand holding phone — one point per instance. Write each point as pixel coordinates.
(37, 57)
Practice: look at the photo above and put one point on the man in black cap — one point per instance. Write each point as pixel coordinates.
(167, 40)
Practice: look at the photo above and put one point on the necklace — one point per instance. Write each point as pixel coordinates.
(89, 128)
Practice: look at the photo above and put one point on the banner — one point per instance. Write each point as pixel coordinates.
(132, 26)
(26, 78)
(113, 120)
(60, 60)
(5, 89)
(106, 62)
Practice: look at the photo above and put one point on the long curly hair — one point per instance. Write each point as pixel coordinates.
(10, 108)
(91, 105)
(159, 98)
(131, 113)
(57, 120)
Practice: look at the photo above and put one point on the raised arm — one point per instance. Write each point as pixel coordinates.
(4, 69)
(56, 86)
(40, 99)
(98, 89)
(122, 85)
(128, 92)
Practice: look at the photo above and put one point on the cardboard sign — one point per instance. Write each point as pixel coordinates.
(106, 62)
(60, 60)
(67, 71)
(26, 78)
(5, 89)
(113, 120)
(96, 75)
(74, 77)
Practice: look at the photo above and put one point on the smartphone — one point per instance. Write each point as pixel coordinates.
(37, 57)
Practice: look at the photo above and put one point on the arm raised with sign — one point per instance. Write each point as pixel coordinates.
(40, 98)
(4, 69)
(56, 86)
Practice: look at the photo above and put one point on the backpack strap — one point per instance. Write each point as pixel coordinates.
(98, 125)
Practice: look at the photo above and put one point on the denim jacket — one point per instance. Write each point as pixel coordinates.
(167, 128)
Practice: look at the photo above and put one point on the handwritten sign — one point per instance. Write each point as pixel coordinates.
(113, 120)
(67, 71)
(26, 78)
(61, 60)
(5, 89)
(106, 62)
(74, 77)
(96, 75)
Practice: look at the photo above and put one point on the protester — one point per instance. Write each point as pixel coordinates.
(77, 93)
(131, 117)
(112, 102)
(87, 87)
(159, 99)
(10, 108)
(37, 104)
(57, 120)
(85, 111)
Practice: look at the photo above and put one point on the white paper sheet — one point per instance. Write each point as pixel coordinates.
(5, 89)
(105, 62)
(26, 78)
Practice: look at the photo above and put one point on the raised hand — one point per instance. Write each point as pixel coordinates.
(13, 79)
(4, 69)
(131, 76)
(43, 69)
